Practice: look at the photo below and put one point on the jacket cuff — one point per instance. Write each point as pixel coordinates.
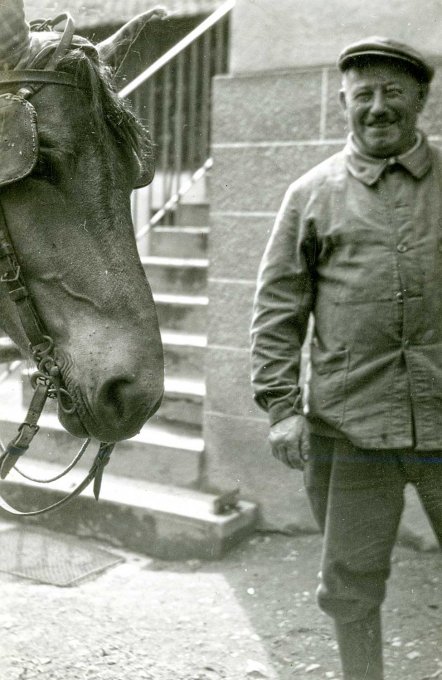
(281, 410)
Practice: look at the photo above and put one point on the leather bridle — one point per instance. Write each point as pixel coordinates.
(47, 380)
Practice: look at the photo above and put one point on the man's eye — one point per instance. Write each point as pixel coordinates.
(363, 96)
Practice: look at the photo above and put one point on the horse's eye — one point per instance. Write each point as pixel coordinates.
(45, 169)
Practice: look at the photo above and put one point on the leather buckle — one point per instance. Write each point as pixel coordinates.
(11, 275)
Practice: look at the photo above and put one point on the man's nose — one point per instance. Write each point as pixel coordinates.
(378, 104)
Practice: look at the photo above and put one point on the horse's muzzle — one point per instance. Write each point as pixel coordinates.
(119, 410)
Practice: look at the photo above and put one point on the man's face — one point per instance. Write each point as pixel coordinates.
(382, 103)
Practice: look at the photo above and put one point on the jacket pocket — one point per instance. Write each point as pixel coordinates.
(327, 384)
(328, 362)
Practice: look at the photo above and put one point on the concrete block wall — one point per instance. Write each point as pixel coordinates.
(269, 35)
(271, 123)
(268, 129)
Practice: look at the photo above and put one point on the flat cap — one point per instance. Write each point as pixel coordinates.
(376, 46)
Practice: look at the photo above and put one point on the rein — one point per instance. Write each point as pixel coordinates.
(46, 381)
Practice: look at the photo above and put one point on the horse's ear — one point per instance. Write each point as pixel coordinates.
(114, 49)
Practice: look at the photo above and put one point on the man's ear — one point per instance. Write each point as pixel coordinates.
(424, 90)
(342, 99)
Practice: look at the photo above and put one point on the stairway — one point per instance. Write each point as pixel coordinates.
(153, 497)
(176, 268)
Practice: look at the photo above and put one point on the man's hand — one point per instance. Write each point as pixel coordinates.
(289, 441)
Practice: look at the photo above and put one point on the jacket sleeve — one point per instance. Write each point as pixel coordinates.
(283, 302)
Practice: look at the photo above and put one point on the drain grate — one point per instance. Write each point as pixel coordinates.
(55, 559)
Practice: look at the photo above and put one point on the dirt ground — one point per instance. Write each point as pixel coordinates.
(251, 615)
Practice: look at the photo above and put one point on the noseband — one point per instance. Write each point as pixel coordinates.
(19, 129)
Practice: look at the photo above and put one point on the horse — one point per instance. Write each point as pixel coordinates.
(77, 152)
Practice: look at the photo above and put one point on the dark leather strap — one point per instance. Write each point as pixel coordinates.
(10, 275)
(26, 432)
(95, 473)
(65, 40)
(37, 76)
(47, 76)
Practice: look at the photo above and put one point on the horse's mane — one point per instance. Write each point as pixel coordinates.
(109, 111)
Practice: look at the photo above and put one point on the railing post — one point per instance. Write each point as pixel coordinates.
(178, 127)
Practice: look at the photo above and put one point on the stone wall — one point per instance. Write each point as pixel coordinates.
(270, 35)
(269, 127)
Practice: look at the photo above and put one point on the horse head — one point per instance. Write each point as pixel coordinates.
(69, 222)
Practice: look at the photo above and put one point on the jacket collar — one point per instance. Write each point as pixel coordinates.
(368, 169)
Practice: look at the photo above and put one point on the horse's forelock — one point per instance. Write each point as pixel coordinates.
(44, 43)
(107, 108)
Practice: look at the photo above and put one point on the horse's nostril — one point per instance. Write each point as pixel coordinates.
(124, 404)
(118, 397)
(113, 396)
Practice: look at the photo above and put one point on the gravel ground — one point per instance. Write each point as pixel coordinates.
(251, 615)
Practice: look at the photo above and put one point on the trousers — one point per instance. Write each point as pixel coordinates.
(357, 498)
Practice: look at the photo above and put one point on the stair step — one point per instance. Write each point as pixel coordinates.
(175, 262)
(182, 401)
(178, 241)
(176, 274)
(9, 351)
(183, 339)
(162, 521)
(155, 454)
(195, 214)
(182, 312)
(184, 354)
(181, 300)
(163, 451)
(185, 386)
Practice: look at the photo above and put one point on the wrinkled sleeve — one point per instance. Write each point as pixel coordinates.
(283, 301)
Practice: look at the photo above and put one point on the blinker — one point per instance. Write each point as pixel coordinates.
(18, 138)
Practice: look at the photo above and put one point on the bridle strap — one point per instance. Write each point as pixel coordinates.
(59, 475)
(95, 474)
(37, 76)
(26, 431)
(64, 42)
(48, 75)
(10, 274)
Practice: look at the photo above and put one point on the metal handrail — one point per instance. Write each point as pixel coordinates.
(175, 199)
(173, 97)
(179, 47)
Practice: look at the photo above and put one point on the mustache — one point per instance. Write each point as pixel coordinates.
(383, 118)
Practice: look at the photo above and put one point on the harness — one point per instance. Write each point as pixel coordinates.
(19, 153)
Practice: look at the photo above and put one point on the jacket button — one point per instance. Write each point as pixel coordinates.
(402, 248)
(400, 297)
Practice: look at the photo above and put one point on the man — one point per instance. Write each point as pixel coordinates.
(357, 246)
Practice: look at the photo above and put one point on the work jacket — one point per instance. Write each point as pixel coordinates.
(357, 245)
